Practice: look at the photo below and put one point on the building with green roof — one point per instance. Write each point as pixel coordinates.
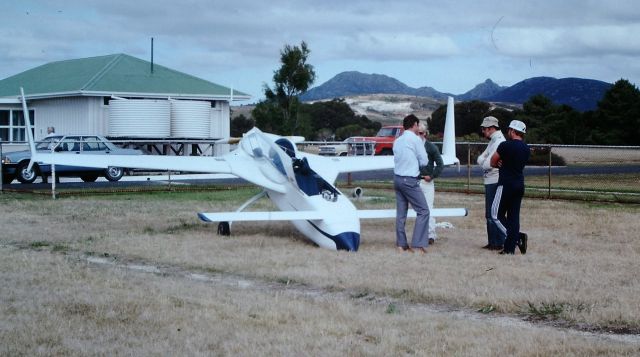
(74, 96)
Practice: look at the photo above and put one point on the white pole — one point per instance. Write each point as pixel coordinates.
(32, 144)
(1, 177)
(53, 174)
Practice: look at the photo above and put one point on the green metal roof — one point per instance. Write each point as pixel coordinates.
(117, 74)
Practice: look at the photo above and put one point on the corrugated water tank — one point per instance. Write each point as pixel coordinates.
(146, 118)
(190, 119)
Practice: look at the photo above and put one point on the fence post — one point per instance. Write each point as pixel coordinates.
(1, 177)
(549, 175)
(468, 168)
(53, 173)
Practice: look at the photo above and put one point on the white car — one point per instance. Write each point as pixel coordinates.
(14, 164)
(336, 149)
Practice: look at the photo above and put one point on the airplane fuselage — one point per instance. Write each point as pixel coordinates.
(339, 229)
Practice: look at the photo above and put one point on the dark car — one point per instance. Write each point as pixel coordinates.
(14, 164)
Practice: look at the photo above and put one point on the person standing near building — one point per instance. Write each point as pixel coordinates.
(491, 130)
(51, 131)
(510, 157)
(409, 155)
(429, 173)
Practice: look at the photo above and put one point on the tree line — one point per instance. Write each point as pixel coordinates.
(615, 121)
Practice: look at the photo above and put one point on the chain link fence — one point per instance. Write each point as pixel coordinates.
(602, 173)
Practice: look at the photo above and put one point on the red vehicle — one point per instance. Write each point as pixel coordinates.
(384, 139)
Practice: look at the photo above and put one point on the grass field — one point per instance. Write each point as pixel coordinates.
(138, 274)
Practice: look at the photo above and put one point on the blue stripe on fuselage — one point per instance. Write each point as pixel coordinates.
(344, 241)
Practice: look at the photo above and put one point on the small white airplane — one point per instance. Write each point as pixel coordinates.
(299, 184)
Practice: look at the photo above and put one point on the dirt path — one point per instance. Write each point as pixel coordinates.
(312, 292)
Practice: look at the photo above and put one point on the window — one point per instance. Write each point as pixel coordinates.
(72, 143)
(12, 125)
(92, 143)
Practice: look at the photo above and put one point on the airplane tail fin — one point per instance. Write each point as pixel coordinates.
(449, 139)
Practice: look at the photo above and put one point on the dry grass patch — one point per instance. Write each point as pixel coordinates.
(584, 155)
(58, 305)
(581, 268)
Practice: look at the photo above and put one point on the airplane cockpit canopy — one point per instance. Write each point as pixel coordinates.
(281, 155)
(259, 147)
(287, 146)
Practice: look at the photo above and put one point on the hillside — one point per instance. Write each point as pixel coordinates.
(483, 90)
(388, 109)
(355, 83)
(391, 109)
(581, 94)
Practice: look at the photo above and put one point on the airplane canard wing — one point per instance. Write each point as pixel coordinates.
(316, 215)
(261, 216)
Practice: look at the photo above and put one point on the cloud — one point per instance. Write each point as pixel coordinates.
(476, 39)
(579, 41)
(379, 46)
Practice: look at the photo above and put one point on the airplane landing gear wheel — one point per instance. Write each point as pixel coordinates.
(224, 229)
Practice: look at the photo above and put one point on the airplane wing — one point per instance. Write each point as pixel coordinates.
(332, 166)
(231, 163)
(391, 213)
(149, 162)
(261, 216)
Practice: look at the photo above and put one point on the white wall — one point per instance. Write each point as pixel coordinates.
(221, 125)
(73, 115)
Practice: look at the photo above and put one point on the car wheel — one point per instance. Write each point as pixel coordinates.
(113, 173)
(89, 178)
(27, 176)
(6, 179)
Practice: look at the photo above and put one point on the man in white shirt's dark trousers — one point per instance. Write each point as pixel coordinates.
(409, 155)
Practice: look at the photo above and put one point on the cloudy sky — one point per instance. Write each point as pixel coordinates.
(448, 45)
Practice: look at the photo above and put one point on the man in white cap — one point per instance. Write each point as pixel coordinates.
(491, 130)
(510, 157)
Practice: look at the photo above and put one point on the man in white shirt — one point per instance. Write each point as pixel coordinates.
(491, 130)
(409, 155)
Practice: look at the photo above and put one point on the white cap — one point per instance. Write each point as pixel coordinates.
(489, 122)
(517, 125)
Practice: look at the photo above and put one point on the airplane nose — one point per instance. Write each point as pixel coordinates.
(347, 241)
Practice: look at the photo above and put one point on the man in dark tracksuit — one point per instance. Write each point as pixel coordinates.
(510, 157)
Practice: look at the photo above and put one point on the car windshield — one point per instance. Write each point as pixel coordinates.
(48, 143)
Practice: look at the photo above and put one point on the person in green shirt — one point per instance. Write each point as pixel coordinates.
(428, 173)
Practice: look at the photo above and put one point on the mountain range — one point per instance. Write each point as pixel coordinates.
(581, 94)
